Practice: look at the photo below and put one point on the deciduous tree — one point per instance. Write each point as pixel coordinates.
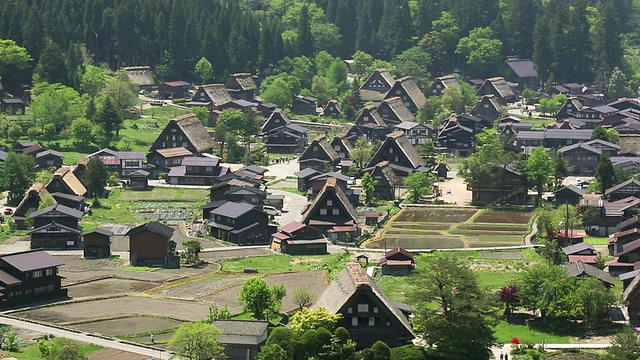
(537, 169)
(306, 319)
(369, 188)
(259, 299)
(419, 184)
(302, 297)
(362, 152)
(197, 341)
(204, 70)
(17, 174)
(460, 323)
(191, 253)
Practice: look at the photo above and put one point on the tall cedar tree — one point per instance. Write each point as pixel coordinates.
(17, 174)
(605, 173)
(108, 117)
(96, 177)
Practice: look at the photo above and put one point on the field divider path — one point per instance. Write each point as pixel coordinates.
(181, 281)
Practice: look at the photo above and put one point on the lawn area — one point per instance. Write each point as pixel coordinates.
(505, 331)
(32, 352)
(493, 273)
(283, 263)
(593, 240)
(293, 190)
(124, 206)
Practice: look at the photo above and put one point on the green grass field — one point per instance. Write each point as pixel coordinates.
(593, 240)
(32, 352)
(505, 331)
(282, 263)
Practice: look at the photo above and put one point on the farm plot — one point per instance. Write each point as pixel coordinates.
(165, 194)
(108, 287)
(436, 215)
(204, 287)
(504, 217)
(128, 325)
(448, 228)
(314, 281)
(117, 307)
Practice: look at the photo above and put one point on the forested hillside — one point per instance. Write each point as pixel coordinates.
(570, 40)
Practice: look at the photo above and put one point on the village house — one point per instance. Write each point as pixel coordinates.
(49, 158)
(316, 184)
(196, 171)
(371, 124)
(375, 87)
(582, 157)
(97, 243)
(440, 84)
(368, 313)
(487, 108)
(150, 244)
(552, 138)
(64, 181)
(242, 86)
(499, 88)
(184, 131)
(623, 190)
(510, 189)
(173, 90)
(523, 72)
(394, 111)
(232, 189)
(621, 238)
(29, 276)
(304, 178)
(409, 93)
(417, 133)
(319, 155)
(29, 203)
(511, 129)
(121, 162)
(141, 76)
(55, 227)
(592, 116)
(569, 194)
(631, 298)
(386, 181)
(606, 147)
(580, 270)
(581, 251)
(401, 155)
(165, 159)
(211, 96)
(625, 260)
(304, 105)
(397, 262)
(572, 237)
(331, 109)
(241, 224)
(331, 212)
(281, 136)
(296, 238)
(242, 339)
(341, 145)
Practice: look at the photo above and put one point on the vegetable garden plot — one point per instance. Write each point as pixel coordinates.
(504, 217)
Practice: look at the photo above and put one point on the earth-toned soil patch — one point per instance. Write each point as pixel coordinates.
(410, 241)
(109, 287)
(419, 226)
(504, 217)
(493, 228)
(118, 307)
(314, 281)
(437, 215)
(204, 287)
(129, 325)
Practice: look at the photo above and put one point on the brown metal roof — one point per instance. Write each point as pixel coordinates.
(31, 260)
(8, 280)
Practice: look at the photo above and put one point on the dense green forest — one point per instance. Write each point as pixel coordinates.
(570, 40)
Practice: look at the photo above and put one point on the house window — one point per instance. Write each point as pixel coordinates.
(397, 92)
(335, 212)
(329, 202)
(363, 308)
(354, 321)
(435, 91)
(390, 150)
(486, 106)
(37, 274)
(438, 86)
(372, 321)
(323, 211)
(397, 159)
(50, 271)
(315, 147)
(209, 168)
(49, 162)
(184, 144)
(349, 310)
(173, 130)
(336, 147)
(375, 309)
(277, 121)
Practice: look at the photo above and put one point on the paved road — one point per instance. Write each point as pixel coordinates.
(293, 206)
(85, 337)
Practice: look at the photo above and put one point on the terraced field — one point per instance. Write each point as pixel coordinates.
(451, 228)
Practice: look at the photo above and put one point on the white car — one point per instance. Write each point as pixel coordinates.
(351, 181)
(270, 210)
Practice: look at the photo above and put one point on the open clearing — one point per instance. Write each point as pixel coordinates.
(451, 228)
(314, 281)
(117, 307)
(129, 325)
(204, 287)
(109, 287)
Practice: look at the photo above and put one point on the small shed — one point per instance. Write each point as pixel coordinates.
(571, 238)
(304, 247)
(372, 218)
(97, 243)
(304, 176)
(397, 262)
(13, 106)
(442, 169)
(139, 180)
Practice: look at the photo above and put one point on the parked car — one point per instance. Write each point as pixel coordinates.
(270, 210)
(351, 181)
(8, 211)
